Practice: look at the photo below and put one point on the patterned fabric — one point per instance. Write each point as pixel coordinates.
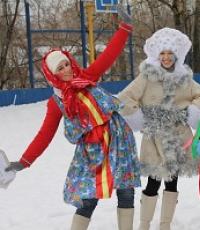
(82, 178)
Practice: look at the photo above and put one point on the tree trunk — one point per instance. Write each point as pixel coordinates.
(8, 22)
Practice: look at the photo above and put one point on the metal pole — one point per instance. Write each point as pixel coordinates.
(90, 10)
(131, 54)
(28, 31)
(83, 34)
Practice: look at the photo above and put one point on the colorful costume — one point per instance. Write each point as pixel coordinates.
(105, 155)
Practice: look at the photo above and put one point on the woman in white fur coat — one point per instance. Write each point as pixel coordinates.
(163, 102)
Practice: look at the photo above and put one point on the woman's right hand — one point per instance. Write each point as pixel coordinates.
(15, 166)
(123, 14)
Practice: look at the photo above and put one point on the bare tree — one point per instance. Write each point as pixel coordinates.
(7, 23)
(148, 15)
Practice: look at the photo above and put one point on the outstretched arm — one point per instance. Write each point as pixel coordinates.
(45, 134)
(106, 59)
(42, 139)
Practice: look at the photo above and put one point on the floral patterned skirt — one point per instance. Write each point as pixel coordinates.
(82, 179)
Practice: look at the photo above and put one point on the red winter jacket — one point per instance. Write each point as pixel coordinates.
(45, 134)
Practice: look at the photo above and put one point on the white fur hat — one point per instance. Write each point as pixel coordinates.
(167, 39)
(54, 58)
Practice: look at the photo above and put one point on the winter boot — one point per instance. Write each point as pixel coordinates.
(147, 209)
(125, 218)
(169, 202)
(80, 222)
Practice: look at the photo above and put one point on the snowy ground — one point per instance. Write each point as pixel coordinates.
(34, 199)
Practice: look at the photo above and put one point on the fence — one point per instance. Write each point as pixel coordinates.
(26, 96)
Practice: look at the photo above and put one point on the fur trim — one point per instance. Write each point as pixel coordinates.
(158, 172)
(157, 73)
(171, 80)
(160, 121)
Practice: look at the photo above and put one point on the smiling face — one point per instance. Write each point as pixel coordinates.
(64, 71)
(167, 59)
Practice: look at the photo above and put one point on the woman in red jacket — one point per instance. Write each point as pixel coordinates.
(105, 155)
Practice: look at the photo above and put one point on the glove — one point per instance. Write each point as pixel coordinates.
(16, 166)
(125, 17)
(193, 116)
(135, 120)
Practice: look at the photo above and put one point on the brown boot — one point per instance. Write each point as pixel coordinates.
(169, 202)
(147, 209)
(80, 222)
(125, 218)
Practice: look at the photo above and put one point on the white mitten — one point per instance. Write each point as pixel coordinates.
(193, 116)
(5, 177)
(135, 120)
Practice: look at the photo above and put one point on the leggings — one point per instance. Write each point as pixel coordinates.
(125, 200)
(153, 186)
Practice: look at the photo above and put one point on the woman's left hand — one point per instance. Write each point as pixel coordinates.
(14, 166)
(193, 116)
(135, 120)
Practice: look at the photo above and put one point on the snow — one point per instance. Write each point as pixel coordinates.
(34, 199)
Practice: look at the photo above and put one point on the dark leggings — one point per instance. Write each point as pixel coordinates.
(153, 186)
(125, 200)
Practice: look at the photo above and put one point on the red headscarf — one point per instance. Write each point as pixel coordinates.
(69, 89)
